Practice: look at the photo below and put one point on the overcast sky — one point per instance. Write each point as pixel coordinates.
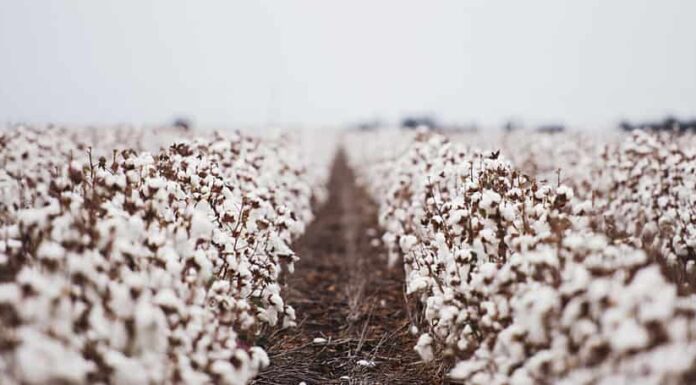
(253, 62)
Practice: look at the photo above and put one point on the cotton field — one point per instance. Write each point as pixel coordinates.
(141, 256)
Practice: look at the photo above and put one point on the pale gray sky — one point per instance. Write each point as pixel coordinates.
(250, 62)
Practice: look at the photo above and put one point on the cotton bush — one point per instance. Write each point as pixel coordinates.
(524, 280)
(145, 268)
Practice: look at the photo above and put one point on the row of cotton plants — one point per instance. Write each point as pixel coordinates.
(517, 284)
(126, 267)
(640, 187)
(42, 149)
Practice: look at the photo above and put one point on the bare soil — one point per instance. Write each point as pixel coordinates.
(344, 292)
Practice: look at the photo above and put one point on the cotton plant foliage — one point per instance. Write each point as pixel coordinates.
(527, 281)
(132, 267)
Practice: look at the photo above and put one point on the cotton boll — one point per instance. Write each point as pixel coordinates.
(565, 192)
(167, 299)
(51, 251)
(201, 224)
(407, 242)
(155, 184)
(629, 335)
(464, 370)
(366, 363)
(269, 315)
(508, 212)
(9, 293)
(43, 360)
(259, 357)
(126, 371)
(424, 348)
(489, 201)
(456, 216)
(533, 308)
(150, 326)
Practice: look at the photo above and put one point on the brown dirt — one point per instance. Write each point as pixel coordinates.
(343, 291)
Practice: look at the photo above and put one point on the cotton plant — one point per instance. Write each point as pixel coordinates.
(455, 215)
(608, 316)
(517, 276)
(147, 268)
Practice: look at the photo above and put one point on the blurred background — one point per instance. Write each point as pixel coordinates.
(258, 63)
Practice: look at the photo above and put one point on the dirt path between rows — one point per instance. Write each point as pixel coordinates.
(344, 293)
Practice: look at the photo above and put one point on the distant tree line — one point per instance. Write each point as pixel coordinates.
(669, 123)
(430, 122)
